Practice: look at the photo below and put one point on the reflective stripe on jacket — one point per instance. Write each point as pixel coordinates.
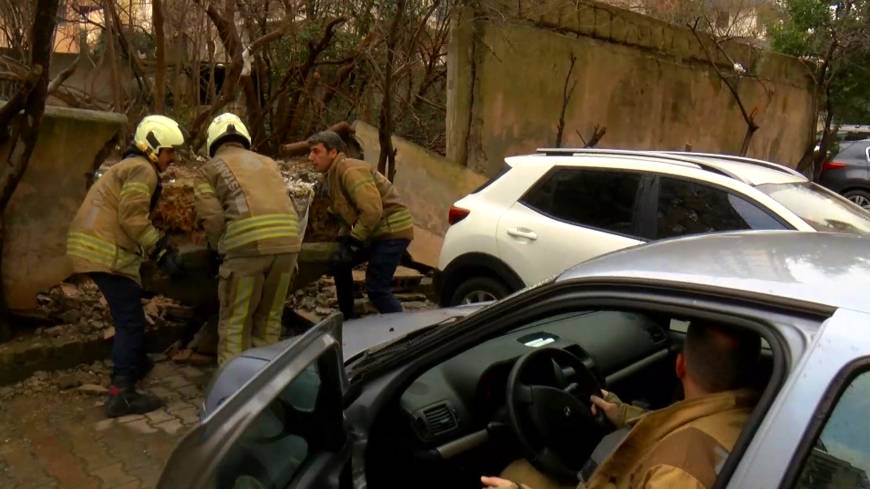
(367, 202)
(244, 205)
(112, 230)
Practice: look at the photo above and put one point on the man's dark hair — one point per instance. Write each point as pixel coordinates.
(330, 140)
(720, 358)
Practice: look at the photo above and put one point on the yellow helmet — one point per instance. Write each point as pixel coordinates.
(156, 132)
(226, 125)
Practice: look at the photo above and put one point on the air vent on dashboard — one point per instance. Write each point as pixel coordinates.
(435, 420)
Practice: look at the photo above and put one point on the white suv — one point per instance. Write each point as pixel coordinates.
(548, 211)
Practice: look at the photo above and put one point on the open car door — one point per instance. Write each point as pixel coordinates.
(283, 428)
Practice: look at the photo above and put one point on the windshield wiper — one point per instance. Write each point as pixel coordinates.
(377, 356)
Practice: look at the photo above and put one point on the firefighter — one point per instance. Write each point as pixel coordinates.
(376, 225)
(249, 219)
(108, 240)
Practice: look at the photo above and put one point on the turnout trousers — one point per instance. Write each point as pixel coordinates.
(252, 292)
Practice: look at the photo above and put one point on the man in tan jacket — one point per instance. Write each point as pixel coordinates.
(249, 219)
(108, 240)
(376, 225)
(683, 445)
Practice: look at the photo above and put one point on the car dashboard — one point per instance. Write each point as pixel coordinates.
(461, 396)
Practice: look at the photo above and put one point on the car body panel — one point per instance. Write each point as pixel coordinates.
(842, 339)
(357, 336)
(856, 175)
(815, 268)
(545, 253)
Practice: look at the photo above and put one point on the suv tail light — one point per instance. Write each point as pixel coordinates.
(833, 165)
(457, 214)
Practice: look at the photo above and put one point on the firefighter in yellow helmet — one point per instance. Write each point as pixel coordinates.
(108, 240)
(246, 211)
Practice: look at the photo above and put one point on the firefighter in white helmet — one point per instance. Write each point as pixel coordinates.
(110, 237)
(249, 219)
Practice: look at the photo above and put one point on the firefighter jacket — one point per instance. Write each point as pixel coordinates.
(683, 445)
(366, 203)
(244, 205)
(112, 231)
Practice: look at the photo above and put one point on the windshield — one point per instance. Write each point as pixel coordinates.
(821, 209)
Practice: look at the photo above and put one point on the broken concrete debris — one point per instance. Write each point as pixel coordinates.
(79, 309)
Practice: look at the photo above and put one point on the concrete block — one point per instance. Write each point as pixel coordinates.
(47, 198)
(603, 23)
(584, 19)
(619, 29)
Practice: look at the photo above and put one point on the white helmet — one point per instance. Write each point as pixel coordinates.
(155, 132)
(226, 125)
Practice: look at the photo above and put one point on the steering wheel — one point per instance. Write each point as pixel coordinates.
(550, 412)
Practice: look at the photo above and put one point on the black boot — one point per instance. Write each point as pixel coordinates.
(145, 367)
(124, 399)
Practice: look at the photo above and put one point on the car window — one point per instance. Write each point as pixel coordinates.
(687, 207)
(276, 443)
(853, 151)
(819, 208)
(840, 457)
(593, 198)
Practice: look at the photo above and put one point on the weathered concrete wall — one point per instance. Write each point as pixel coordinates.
(47, 198)
(428, 183)
(649, 83)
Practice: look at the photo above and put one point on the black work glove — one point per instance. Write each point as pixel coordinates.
(348, 248)
(170, 262)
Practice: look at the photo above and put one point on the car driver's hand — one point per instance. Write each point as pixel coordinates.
(610, 409)
(498, 482)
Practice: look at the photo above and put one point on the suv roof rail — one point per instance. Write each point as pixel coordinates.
(645, 154)
(741, 159)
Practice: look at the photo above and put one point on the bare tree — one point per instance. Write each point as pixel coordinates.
(27, 130)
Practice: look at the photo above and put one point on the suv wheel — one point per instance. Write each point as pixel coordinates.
(479, 289)
(859, 197)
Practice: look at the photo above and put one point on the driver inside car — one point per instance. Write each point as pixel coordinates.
(683, 445)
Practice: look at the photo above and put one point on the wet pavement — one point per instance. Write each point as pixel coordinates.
(53, 433)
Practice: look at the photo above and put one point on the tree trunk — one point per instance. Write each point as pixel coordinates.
(42, 37)
(109, 35)
(160, 55)
(387, 158)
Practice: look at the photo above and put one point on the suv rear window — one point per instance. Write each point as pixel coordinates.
(504, 169)
(819, 208)
(593, 198)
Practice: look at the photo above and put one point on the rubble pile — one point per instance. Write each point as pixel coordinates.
(80, 309)
(84, 380)
(175, 213)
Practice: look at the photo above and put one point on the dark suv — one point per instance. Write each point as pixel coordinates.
(848, 173)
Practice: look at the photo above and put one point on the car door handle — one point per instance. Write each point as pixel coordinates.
(522, 233)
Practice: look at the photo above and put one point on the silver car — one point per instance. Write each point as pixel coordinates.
(431, 400)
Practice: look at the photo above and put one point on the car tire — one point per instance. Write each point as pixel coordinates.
(479, 289)
(859, 197)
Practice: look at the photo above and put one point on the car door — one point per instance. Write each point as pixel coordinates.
(283, 428)
(572, 214)
(817, 433)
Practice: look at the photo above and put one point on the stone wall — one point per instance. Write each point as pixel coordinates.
(47, 198)
(649, 83)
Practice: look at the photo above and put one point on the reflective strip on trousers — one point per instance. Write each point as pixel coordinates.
(395, 222)
(273, 322)
(251, 229)
(233, 330)
(102, 252)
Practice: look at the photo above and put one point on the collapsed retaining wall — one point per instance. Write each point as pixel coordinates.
(47, 198)
(648, 82)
